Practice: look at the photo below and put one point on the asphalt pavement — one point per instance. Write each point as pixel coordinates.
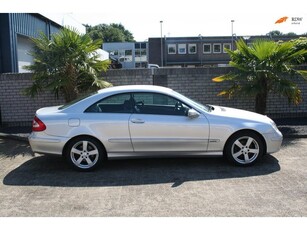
(34, 185)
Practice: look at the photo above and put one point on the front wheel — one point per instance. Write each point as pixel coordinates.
(244, 148)
(84, 153)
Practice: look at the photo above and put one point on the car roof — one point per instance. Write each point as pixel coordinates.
(84, 103)
(135, 88)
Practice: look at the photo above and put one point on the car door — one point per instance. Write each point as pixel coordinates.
(108, 119)
(160, 124)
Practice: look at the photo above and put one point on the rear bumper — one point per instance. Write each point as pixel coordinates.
(42, 143)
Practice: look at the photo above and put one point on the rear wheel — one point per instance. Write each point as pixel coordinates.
(85, 153)
(244, 148)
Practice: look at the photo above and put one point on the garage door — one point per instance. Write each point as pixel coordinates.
(24, 46)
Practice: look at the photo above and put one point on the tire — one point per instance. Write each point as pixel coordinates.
(85, 154)
(244, 148)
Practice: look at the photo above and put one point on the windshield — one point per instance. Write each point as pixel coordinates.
(196, 104)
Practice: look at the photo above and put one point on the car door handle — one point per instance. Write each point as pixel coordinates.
(137, 121)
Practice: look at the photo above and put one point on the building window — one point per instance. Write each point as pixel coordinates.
(192, 48)
(217, 48)
(182, 48)
(140, 55)
(207, 48)
(226, 46)
(128, 52)
(142, 45)
(171, 49)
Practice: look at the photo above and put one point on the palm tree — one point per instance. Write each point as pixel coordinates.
(68, 63)
(261, 68)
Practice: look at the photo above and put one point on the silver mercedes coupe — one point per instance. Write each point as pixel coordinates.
(149, 121)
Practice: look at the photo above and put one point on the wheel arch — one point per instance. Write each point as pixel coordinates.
(83, 135)
(246, 130)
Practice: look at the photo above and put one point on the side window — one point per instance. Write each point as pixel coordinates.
(207, 48)
(192, 48)
(120, 103)
(226, 46)
(172, 49)
(182, 48)
(216, 48)
(159, 104)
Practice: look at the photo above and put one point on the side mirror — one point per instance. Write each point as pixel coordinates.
(193, 114)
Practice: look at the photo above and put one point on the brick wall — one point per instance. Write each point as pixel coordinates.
(129, 76)
(18, 109)
(197, 84)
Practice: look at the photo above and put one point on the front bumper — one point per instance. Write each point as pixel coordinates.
(273, 141)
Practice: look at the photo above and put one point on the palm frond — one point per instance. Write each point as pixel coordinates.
(226, 77)
(67, 63)
(303, 73)
(264, 67)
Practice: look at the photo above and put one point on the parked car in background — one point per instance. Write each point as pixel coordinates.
(149, 121)
(153, 66)
(115, 64)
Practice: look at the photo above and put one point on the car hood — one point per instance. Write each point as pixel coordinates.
(239, 114)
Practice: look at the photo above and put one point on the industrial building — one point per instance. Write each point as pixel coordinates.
(197, 51)
(129, 54)
(16, 31)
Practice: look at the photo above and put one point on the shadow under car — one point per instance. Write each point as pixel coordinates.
(53, 171)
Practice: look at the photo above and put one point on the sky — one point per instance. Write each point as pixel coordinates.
(180, 18)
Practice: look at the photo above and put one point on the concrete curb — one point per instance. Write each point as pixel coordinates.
(18, 137)
(295, 136)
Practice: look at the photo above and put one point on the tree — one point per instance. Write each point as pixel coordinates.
(278, 33)
(275, 33)
(291, 34)
(67, 63)
(110, 33)
(262, 68)
(299, 44)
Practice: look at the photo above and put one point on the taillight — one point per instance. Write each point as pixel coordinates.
(38, 125)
